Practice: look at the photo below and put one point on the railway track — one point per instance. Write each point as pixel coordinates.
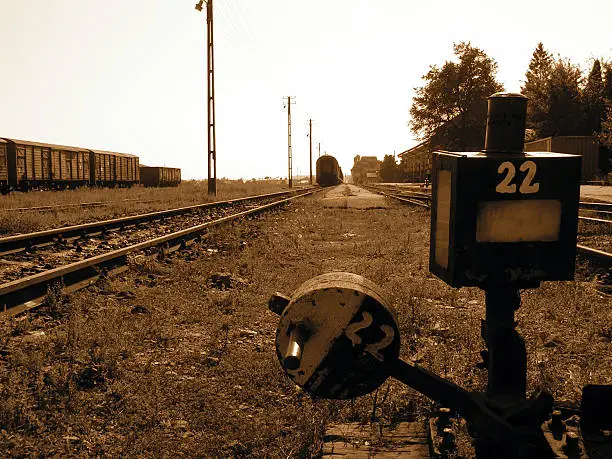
(424, 200)
(80, 205)
(23, 293)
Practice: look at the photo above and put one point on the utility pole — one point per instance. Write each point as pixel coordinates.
(310, 137)
(319, 149)
(289, 154)
(210, 72)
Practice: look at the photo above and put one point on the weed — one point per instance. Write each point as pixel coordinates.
(55, 302)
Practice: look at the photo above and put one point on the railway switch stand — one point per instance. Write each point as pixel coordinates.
(502, 220)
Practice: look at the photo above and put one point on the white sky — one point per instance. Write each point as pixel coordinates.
(130, 75)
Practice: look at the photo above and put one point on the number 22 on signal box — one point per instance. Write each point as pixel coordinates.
(500, 218)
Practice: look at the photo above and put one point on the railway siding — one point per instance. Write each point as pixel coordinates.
(24, 293)
(172, 364)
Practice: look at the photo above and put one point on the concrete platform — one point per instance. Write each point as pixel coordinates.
(600, 193)
(351, 197)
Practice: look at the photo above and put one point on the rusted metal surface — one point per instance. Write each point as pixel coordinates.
(338, 315)
(30, 290)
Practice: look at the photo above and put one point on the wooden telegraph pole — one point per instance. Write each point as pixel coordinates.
(210, 71)
(289, 153)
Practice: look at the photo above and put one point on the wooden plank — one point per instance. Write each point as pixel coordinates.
(406, 440)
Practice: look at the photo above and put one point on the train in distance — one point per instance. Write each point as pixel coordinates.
(329, 172)
(26, 165)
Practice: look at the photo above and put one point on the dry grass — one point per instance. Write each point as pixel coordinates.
(187, 193)
(160, 363)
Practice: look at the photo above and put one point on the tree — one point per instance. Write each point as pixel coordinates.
(593, 100)
(537, 79)
(605, 139)
(451, 108)
(388, 169)
(607, 89)
(565, 114)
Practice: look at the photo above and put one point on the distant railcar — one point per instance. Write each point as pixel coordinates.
(113, 169)
(43, 165)
(329, 172)
(160, 176)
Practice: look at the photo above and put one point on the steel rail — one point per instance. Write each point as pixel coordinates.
(28, 292)
(594, 253)
(403, 199)
(605, 205)
(597, 220)
(427, 197)
(21, 242)
(80, 204)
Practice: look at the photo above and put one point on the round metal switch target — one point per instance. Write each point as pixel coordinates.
(336, 334)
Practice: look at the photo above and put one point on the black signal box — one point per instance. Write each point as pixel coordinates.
(500, 218)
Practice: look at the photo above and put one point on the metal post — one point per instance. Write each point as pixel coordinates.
(210, 98)
(212, 139)
(289, 153)
(310, 136)
(507, 356)
(290, 175)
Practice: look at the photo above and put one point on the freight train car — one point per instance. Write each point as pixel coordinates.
(329, 172)
(111, 168)
(160, 176)
(586, 146)
(3, 167)
(34, 164)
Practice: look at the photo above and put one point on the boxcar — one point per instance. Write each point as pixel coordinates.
(111, 168)
(3, 168)
(160, 176)
(586, 146)
(32, 164)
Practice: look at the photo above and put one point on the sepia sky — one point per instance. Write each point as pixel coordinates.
(130, 75)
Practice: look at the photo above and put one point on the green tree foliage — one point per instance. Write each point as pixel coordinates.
(536, 86)
(565, 114)
(388, 169)
(451, 107)
(593, 100)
